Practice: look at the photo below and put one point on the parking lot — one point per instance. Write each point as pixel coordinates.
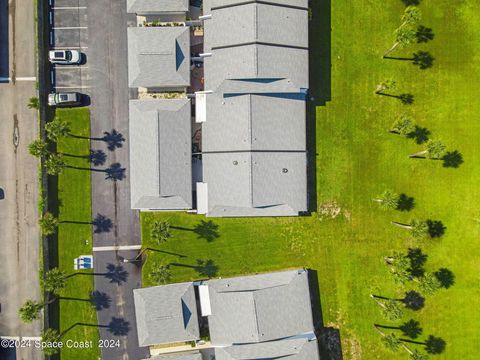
(68, 21)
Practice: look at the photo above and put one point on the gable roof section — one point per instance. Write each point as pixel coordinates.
(223, 3)
(256, 61)
(166, 314)
(255, 183)
(260, 308)
(256, 22)
(254, 122)
(157, 6)
(158, 56)
(160, 154)
(285, 349)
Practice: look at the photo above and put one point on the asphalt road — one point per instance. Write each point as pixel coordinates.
(107, 66)
(19, 233)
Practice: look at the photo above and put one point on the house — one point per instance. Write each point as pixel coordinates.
(159, 57)
(160, 154)
(166, 314)
(267, 316)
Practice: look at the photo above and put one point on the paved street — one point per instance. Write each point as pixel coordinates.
(19, 253)
(107, 65)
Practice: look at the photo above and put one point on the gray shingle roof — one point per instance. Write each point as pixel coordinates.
(255, 183)
(166, 314)
(221, 3)
(254, 122)
(160, 154)
(157, 6)
(260, 308)
(177, 356)
(256, 22)
(158, 56)
(256, 61)
(287, 349)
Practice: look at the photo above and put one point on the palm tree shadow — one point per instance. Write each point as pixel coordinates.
(102, 224)
(445, 277)
(115, 172)
(207, 268)
(207, 230)
(420, 134)
(452, 159)
(118, 327)
(116, 274)
(424, 34)
(436, 228)
(405, 99)
(405, 203)
(97, 157)
(100, 300)
(114, 139)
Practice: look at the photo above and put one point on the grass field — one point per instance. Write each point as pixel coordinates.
(76, 239)
(357, 158)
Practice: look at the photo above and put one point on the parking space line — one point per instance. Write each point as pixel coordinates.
(26, 78)
(72, 87)
(69, 8)
(70, 28)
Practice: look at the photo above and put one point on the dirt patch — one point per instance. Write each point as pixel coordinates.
(329, 210)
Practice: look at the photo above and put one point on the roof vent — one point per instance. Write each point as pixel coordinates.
(285, 170)
(235, 162)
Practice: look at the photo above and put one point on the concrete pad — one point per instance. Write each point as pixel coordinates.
(72, 37)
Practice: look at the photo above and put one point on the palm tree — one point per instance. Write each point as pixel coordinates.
(48, 224)
(391, 342)
(385, 85)
(57, 128)
(390, 309)
(54, 280)
(30, 310)
(411, 16)
(400, 267)
(388, 200)
(160, 231)
(403, 126)
(429, 284)
(33, 103)
(434, 149)
(404, 36)
(417, 355)
(160, 274)
(54, 164)
(51, 336)
(418, 228)
(38, 148)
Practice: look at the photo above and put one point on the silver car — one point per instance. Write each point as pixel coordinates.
(64, 99)
(65, 57)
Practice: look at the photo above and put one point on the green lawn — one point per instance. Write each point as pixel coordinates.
(356, 160)
(76, 239)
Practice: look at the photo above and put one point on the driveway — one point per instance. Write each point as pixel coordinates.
(19, 233)
(107, 61)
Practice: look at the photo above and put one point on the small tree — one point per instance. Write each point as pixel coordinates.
(390, 308)
(404, 36)
(434, 149)
(48, 224)
(51, 336)
(391, 342)
(388, 200)
(400, 267)
(30, 310)
(385, 85)
(33, 103)
(418, 228)
(54, 280)
(57, 128)
(417, 355)
(160, 274)
(403, 126)
(428, 284)
(54, 164)
(38, 148)
(160, 231)
(411, 16)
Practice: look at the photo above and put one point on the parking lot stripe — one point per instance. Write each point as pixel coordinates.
(70, 28)
(26, 78)
(69, 7)
(72, 87)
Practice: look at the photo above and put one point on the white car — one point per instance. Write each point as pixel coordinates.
(64, 99)
(65, 57)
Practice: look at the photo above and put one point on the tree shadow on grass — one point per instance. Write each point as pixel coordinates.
(207, 268)
(207, 230)
(405, 203)
(98, 299)
(405, 99)
(424, 34)
(417, 261)
(445, 277)
(117, 326)
(420, 135)
(452, 159)
(436, 228)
